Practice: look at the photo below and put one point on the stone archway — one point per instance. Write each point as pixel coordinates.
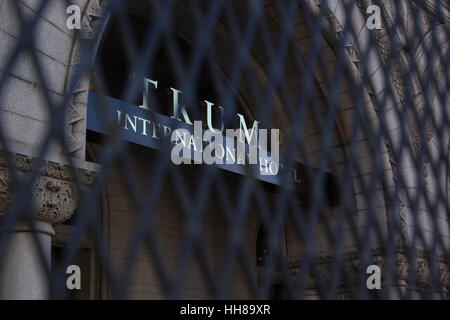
(77, 109)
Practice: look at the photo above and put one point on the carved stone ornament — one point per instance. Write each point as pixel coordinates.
(353, 265)
(402, 267)
(54, 194)
(55, 200)
(443, 274)
(5, 192)
(76, 110)
(423, 271)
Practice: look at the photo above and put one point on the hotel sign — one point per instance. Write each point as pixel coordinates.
(141, 126)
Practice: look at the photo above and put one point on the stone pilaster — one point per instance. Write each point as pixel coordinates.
(54, 200)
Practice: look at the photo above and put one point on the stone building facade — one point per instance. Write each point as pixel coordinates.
(25, 122)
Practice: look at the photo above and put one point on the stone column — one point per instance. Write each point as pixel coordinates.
(23, 274)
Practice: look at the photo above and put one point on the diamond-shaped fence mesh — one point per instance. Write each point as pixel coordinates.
(359, 91)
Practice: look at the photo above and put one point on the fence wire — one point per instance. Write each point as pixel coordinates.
(364, 124)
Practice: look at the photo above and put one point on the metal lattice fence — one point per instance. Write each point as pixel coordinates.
(358, 89)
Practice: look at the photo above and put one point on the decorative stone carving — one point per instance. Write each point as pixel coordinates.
(423, 271)
(402, 268)
(324, 272)
(352, 267)
(443, 10)
(55, 200)
(93, 12)
(403, 220)
(443, 274)
(379, 261)
(434, 69)
(384, 46)
(320, 270)
(80, 81)
(55, 196)
(5, 192)
(23, 163)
